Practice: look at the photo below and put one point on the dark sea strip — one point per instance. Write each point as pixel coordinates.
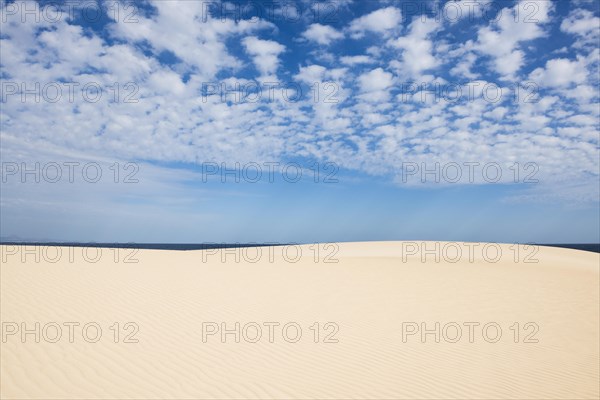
(592, 247)
(147, 246)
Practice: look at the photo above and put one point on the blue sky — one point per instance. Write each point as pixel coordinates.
(499, 97)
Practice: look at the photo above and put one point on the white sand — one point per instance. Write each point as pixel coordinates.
(368, 294)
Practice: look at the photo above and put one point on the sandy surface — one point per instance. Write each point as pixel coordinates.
(361, 321)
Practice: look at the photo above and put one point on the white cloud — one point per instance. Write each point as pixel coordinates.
(311, 74)
(416, 47)
(167, 81)
(497, 113)
(375, 80)
(582, 94)
(375, 84)
(502, 39)
(464, 66)
(326, 94)
(583, 24)
(356, 60)
(322, 34)
(183, 28)
(265, 54)
(583, 120)
(580, 22)
(380, 21)
(560, 72)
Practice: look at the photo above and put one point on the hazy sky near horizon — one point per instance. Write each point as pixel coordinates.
(300, 121)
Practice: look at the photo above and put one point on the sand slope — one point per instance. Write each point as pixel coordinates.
(373, 292)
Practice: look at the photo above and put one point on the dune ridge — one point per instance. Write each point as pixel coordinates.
(357, 306)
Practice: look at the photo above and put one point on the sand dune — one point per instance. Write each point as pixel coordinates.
(362, 309)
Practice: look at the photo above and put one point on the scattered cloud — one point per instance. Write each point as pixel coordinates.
(381, 21)
(417, 47)
(265, 54)
(356, 108)
(560, 72)
(356, 60)
(502, 40)
(322, 34)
